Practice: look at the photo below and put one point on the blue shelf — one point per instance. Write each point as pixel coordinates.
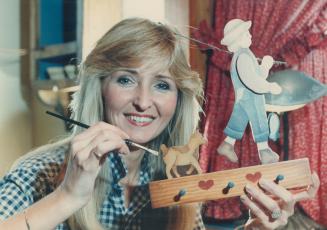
(43, 64)
(57, 25)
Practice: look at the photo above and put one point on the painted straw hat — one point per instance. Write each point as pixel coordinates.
(233, 30)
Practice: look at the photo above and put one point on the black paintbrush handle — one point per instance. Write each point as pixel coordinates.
(128, 142)
(68, 119)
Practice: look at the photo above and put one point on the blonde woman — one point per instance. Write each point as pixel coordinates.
(136, 84)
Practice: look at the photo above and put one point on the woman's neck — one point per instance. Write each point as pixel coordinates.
(133, 160)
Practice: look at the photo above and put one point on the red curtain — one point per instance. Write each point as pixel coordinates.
(293, 31)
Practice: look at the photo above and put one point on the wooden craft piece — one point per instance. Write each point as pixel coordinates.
(205, 185)
(210, 186)
(183, 155)
(253, 177)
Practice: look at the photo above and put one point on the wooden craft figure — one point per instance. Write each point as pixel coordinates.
(295, 175)
(183, 155)
(250, 85)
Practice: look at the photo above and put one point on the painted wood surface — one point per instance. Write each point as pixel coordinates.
(212, 186)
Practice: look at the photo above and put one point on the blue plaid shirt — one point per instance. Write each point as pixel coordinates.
(35, 177)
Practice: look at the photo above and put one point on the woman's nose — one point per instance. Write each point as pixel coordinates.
(143, 99)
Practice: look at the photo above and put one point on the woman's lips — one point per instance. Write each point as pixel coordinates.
(139, 120)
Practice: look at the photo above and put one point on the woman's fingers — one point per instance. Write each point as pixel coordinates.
(270, 213)
(95, 153)
(263, 199)
(311, 192)
(88, 152)
(254, 208)
(100, 145)
(278, 191)
(261, 218)
(89, 149)
(105, 147)
(94, 129)
(93, 136)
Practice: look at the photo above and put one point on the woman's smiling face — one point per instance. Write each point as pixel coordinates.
(140, 102)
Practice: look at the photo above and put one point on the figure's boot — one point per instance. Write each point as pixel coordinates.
(274, 124)
(226, 149)
(268, 156)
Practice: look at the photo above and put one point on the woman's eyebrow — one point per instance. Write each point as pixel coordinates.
(161, 76)
(158, 76)
(132, 71)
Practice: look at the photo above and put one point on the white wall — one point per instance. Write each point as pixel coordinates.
(15, 129)
(172, 12)
(154, 10)
(100, 15)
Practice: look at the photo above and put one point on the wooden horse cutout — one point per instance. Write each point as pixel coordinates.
(182, 155)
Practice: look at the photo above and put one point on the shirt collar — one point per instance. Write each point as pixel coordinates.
(119, 169)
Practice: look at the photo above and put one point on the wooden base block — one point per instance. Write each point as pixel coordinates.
(212, 186)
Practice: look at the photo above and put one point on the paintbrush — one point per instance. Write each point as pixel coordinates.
(127, 141)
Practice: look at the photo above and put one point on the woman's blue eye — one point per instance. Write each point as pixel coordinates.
(123, 80)
(163, 86)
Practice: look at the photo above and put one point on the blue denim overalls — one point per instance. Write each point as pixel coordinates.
(248, 107)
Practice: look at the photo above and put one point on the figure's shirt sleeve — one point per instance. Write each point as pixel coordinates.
(249, 74)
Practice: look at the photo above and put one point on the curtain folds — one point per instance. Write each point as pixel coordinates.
(293, 31)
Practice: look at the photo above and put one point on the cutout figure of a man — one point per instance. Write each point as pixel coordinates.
(250, 84)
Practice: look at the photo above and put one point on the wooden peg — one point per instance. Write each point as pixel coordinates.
(181, 193)
(279, 177)
(228, 187)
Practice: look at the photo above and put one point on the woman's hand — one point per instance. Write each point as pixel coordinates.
(88, 152)
(269, 213)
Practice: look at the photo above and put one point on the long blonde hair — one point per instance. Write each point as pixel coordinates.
(133, 43)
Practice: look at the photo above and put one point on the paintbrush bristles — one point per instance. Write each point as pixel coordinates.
(144, 148)
(129, 142)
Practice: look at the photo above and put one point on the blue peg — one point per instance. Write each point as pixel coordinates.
(230, 185)
(181, 193)
(279, 178)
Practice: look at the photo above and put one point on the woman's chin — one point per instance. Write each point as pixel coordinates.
(141, 141)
